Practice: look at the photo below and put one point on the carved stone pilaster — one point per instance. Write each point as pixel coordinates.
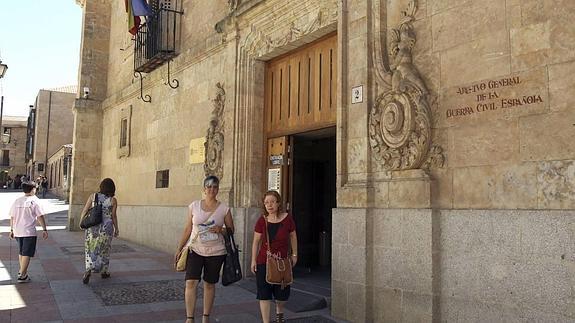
(399, 122)
(214, 145)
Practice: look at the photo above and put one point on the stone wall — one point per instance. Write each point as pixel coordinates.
(415, 265)
(16, 146)
(493, 77)
(505, 265)
(58, 172)
(93, 74)
(439, 226)
(53, 108)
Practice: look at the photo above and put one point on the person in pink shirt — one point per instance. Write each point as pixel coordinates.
(24, 213)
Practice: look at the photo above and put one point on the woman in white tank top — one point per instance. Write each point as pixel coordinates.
(207, 220)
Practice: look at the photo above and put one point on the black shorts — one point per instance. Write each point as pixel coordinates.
(27, 246)
(211, 267)
(268, 291)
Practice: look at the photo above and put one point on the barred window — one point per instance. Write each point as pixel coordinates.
(162, 178)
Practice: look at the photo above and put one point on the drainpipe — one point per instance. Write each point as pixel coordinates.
(48, 135)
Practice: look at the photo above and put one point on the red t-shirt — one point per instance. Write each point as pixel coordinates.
(280, 243)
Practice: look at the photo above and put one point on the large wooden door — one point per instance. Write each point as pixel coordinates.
(300, 96)
(300, 89)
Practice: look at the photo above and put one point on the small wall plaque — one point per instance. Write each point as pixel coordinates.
(357, 94)
(197, 150)
(277, 159)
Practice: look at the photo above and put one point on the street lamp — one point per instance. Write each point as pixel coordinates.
(3, 69)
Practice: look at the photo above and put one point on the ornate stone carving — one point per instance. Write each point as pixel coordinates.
(214, 145)
(265, 43)
(399, 122)
(233, 4)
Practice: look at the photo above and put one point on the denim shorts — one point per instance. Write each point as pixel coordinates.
(27, 246)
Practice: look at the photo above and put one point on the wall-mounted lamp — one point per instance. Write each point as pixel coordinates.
(3, 69)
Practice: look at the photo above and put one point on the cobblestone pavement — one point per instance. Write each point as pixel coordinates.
(143, 286)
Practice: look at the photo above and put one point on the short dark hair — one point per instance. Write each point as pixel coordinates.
(27, 187)
(107, 187)
(210, 180)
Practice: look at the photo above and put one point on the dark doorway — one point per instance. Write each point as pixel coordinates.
(313, 198)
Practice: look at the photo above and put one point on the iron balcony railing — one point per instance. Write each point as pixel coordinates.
(156, 40)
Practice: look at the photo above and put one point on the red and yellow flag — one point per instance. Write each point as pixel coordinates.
(133, 21)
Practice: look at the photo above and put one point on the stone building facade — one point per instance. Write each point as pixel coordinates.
(51, 126)
(454, 160)
(59, 171)
(12, 161)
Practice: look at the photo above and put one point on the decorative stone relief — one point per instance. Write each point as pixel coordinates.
(265, 43)
(214, 145)
(399, 122)
(233, 4)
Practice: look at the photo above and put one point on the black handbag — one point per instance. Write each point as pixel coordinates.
(232, 271)
(93, 216)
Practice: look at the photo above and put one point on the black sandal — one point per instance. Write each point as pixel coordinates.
(207, 316)
(190, 318)
(280, 318)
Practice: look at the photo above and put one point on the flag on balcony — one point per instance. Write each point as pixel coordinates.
(135, 9)
(133, 21)
(141, 8)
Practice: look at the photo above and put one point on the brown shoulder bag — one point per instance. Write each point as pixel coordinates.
(278, 269)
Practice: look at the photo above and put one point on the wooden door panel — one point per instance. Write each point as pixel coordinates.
(300, 89)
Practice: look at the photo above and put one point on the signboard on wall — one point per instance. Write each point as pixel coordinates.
(274, 179)
(277, 159)
(197, 150)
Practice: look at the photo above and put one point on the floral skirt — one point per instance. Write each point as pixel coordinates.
(98, 244)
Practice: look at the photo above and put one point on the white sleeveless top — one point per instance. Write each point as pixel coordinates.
(207, 248)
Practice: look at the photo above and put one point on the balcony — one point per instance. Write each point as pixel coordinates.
(156, 40)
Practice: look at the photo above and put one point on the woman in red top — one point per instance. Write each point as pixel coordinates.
(281, 228)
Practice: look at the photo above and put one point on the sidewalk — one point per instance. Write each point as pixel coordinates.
(143, 286)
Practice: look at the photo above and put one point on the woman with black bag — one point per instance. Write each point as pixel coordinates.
(203, 243)
(98, 240)
(274, 235)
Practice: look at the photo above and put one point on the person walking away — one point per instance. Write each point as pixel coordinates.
(282, 237)
(204, 241)
(44, 186)
(98, 238)
(24, 213)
